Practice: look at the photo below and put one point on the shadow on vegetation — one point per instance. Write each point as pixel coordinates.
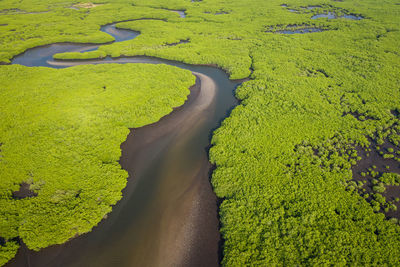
(294, 29)
(178, 43)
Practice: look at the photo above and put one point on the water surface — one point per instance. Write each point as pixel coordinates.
(332, 15)
(40, 55)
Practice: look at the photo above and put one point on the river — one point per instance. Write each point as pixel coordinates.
(168, 215)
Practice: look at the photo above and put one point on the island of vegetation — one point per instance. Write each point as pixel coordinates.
(307, 166)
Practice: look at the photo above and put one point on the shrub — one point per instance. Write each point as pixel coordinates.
(379, 188)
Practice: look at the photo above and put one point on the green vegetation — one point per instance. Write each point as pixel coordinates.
(54, 21)
(284, 156)
(76, 55)
(379, 187)
(61, 132)
(390, 178)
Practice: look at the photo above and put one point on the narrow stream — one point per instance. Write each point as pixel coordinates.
(168, 213)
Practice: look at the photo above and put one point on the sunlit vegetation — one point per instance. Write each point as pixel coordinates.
(78, 55)
(284, 157)
(60, 136)
(41, 22)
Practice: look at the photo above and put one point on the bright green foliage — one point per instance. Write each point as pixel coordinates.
(8, 251)
(379, 188)
(41, 22)
(61, 132)
(77, 55)
(281, 206)
(388, 156)
(281, 156)
(390, 178)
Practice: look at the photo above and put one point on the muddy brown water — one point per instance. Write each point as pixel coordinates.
(168, 214)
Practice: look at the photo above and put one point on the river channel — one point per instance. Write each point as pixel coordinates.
(168, 215)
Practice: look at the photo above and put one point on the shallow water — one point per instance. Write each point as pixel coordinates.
(119, 34)
(168, 213)
(332, 15)
(181, 13)
(300, 31)
(40, 55)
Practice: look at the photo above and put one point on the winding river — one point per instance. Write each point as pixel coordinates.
(168, 214)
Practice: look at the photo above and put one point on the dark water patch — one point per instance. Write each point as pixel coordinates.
(293, 10)
(375, 173)
(24, 192)
(300, 31)
(316, 73)
(323, 72)
(395, 112)
(385, 33)
(392, 194)
(178, 43)
(368, 172)
(284, 5)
